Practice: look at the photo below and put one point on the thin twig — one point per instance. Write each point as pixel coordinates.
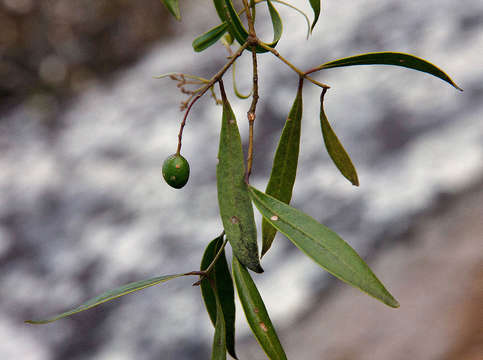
(202, 91)
(292, 66)
(204, 273)
(251, 114)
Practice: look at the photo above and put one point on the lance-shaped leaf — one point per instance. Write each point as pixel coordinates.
(284, 169)
(219, 340)
(236, 209)
(322, 245)
(315, 4)
(204, 41)
(173, 7)
(390, 58)
(334, 147)
(109, 295)
(227, 13)
(256, 313)
(220, 275)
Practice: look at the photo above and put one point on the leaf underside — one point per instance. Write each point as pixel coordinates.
(322, 245)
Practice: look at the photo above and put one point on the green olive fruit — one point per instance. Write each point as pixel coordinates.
(176, 171)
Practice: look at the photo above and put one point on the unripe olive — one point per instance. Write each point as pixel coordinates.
(176, 171)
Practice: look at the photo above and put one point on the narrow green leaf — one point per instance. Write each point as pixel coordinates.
(334, 147)
(173, 7)
(284, 169)
(316, 7)
(235, 87)
(219, 340)
(276, 24)
(235, 206)
(227, 13)
(391, 58)
(256, 313)
(221, 277)
(299, 11)
(109, 295)
(210, 37)
(322, 245)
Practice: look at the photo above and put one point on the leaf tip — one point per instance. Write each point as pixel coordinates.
(257, 268)
(355, 181)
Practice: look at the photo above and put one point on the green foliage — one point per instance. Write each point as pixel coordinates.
(173, 7)
(108, 295)
(315, 4)
(236, 197)
(236, 209)
(219, 340)
(256, 313)
(391, 58)
(322, 245)
(284, 168)
(335, 149)
(217, 290)
(210, 37)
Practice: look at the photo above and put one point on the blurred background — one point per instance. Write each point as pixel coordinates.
(85, 127)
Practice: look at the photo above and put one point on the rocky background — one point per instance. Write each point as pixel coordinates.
(55, 48)
(85, 127)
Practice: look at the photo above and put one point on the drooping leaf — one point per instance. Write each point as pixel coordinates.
(276, 24)
(219, 339)
(109, 295)
(227, 13)
(235, 206)
(315, 4)
(256, 313)
(173, 7)
(322, 245)
(235, 87)
(335, 149)
(391, 58)
(297, 10)
(221, 277)
(284, 168)
(210, 37)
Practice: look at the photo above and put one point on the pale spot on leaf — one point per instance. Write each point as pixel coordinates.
(274, 218)
(234, 220)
